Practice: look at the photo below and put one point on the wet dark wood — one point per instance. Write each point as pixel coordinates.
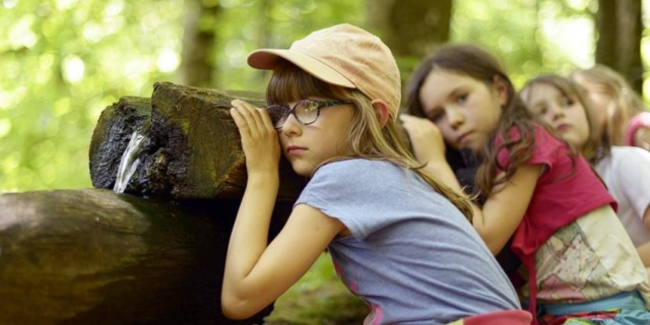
(95, 257)
(193, 151)
(111, 137)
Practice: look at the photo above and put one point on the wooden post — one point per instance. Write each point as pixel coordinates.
(193, 150)
(95, 257)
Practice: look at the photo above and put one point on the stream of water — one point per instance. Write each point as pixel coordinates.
(130, 161)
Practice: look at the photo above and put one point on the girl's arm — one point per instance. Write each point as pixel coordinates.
(257, 273)
(503, 210)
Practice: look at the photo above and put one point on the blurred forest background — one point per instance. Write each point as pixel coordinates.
(63, 61)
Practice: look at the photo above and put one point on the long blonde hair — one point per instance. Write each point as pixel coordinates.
(367, 138)
(625, 101)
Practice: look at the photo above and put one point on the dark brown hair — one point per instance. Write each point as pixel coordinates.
(474, 62)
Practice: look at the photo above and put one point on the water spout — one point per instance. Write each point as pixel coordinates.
(130, 161)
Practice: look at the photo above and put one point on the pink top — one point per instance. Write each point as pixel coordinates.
(567, 189)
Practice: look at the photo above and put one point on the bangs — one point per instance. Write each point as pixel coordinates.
(291, 84)
(561, 84)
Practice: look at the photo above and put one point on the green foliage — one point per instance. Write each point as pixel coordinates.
(63, 62)
(525, 35)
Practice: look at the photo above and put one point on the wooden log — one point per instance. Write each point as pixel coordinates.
(111, 136)
(91, 256)
(193, 149)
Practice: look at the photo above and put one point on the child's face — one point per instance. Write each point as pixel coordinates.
(564, 114)
(307, 146)
(465, 109)
(601, 100)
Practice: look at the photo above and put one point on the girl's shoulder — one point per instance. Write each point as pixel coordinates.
(354, 170)
(630, 152)
(354, 165)
(531, 130)
(537, 142)
(629, 159)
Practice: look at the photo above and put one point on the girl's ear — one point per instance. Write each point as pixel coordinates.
(381, 110)
(501, 87)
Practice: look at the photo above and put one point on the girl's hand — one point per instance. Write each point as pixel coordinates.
(426, 139)
(259, 138)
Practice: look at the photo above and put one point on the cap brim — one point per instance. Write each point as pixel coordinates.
(268, 59)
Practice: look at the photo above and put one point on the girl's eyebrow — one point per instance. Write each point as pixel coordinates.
(454, 92)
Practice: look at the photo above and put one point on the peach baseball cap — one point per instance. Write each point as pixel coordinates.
(343, 55)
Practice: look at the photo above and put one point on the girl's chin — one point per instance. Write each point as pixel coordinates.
(302, 170)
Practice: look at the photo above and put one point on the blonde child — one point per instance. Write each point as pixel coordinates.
(561, 103)
(618, 110)
(398, 239)
(580, 264)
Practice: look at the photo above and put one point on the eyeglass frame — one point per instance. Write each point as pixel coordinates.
(321, 104)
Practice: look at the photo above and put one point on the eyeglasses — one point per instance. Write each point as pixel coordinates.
(305, 111)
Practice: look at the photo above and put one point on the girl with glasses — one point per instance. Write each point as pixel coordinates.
(399, 240)
(579, 265)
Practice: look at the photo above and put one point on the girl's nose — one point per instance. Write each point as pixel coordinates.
(291, 126)
(556, 111)
(455, 117)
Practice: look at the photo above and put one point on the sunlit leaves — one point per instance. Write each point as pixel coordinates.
(530, 37)
(63, 62)
(5, 127)
(21, 33)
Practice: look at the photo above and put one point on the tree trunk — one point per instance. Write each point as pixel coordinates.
(620, 29)
(192, 148)
(410, 28)
(199, 41)
(95, 257)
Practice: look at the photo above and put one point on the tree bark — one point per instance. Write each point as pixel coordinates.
(199, 41)
(620, 29)
(95, 257)
(192, 151)
(412, 29)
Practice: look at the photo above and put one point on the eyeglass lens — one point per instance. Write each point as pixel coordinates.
(305, 111)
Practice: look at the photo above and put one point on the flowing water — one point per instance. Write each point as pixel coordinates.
(130, 161)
